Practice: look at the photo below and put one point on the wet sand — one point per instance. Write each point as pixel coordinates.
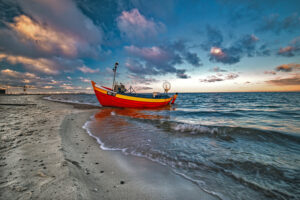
(46, 154)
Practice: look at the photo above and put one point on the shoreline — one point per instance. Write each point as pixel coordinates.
(59, 160)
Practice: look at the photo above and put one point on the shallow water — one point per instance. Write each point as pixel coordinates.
(233, 145)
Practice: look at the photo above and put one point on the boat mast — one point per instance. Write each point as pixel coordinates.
(114, 70)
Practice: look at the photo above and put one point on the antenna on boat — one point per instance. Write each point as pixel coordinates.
(114, 70)
(166, 86)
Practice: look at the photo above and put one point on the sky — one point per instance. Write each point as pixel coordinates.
(196, 45)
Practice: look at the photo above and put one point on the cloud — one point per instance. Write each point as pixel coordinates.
(136, 67)
(223, 56)
(214, 38)
(193, 59)
(288, 67)
(135, 26)
(292, 49)
(158, 60)
(231, 76)
(270, 72)
(143, 88)
(42, 65)
(213, 78)
(47, 87)
(244, 46)
(68, 86)
(294, 80)
(45, 38)
(218, 69)
(85, 80)
(86, 69)
(16, 78)
(51, 28)
(19, 75)
(135, 79)
(154, 55)
(276, 24)
(180, 73)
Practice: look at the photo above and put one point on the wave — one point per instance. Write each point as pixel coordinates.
(240, 171)
(208, 113)
(228, 133)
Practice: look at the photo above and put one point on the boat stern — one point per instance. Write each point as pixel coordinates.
(174, 98)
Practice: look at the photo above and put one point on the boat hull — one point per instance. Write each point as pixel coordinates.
(111, 99)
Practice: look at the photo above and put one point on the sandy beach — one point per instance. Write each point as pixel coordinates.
(46, 154)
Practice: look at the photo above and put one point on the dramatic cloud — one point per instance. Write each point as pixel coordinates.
(223, 56)
(42, 65)
(15, 78)
(54, 28)
(288, 67)
(154, 55)
(160, 59)
(277, 24)
(292, 49)
(213, 78)
(135, 26)
(135, 67)
(244, 46)
(294, 80)
(19, 75)
(46, 39)
(86, 69)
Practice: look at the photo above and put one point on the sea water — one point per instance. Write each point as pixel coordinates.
(232, 145)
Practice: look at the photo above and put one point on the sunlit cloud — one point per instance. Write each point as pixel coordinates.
(15, 74)
(294, 80)
(135, 26)
(86, 69)
(46, 38)
(216, 51)
(47, 87)
(85, 80)
(288, 67)
(292, 49)
(41, 64)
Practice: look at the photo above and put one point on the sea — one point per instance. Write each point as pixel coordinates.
(232, 145)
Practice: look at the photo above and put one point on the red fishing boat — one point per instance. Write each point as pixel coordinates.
(119, 96)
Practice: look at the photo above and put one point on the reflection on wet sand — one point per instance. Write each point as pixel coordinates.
(132, 113)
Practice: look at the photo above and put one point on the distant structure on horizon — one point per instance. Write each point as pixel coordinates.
(2, 91)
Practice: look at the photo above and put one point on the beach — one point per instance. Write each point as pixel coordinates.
(47, 154)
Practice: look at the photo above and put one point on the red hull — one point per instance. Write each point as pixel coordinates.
(107, 98)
